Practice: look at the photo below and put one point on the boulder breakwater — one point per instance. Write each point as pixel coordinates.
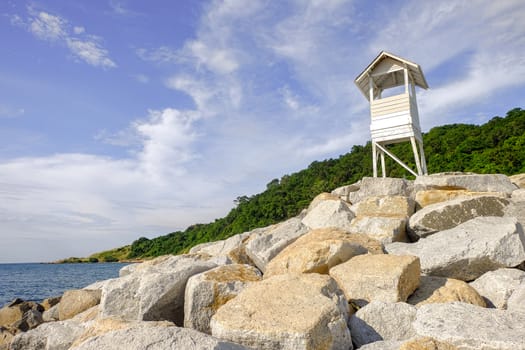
(437, 263)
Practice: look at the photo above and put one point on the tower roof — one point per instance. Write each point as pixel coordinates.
(387, 71)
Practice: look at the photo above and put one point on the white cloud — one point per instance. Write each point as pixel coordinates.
(163, 54)
(53, 28)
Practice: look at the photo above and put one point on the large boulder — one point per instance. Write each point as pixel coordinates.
(298, 311)
(321, 197)
(497, 286)
(49, 336)
(265, 243)
(231, 248)
(449, 214)
(387, 278)
(385, 206)
(318, 251)
(468, 250)
(209, 290)
(516, 301)
(466, 181)
(329, 213)
(382, 321)
(141, 336)
(467, 326)
(384, 229)
(434, 289)
(427, 197)
(154, 291)
(380, 186)
(518, 180)
(15, 310)
(75, 301)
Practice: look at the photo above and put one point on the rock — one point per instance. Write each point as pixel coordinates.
(380, 186)
(446, 215)
(265, 243)
(49, 336)
(297, 311)
(434, 289)
(100, 327)
(76, 301)
(372, 246)
(516, 302)
(426, 343)
(329, 213)
(88, 315)
(468, 250)
(387, 278)
(48, 303)
(343, 191)
(385, 206)
(209, 290)
(466, 181)
(154, 291)
(427, 197)
(519, 195)
(382, 321)
(5, 338)
(15, 310)
(156, 338)
(232, 248)
(382, 345)
(384, 229)
(497, 286)
(468, 326)
(317, 251)
(31, 319)
(320, 198)
(51, 314)
(518, 180)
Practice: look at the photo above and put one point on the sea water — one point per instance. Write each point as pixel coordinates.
(36, 282)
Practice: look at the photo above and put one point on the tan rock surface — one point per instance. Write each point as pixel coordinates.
(372, 245)
(518, 180)
(444, 290)
(76, 301)
(208, 291)
(384, 229)
(296, 311)
(321, 197)
(385, 206)
(428, 197)
(387, 278)
(426, 343)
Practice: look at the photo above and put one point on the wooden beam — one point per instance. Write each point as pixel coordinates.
(391, 155)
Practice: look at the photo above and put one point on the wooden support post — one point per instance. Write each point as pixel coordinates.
(423, 160)
(374, 158)
(383, 166)
(416, 155)
(405, 71)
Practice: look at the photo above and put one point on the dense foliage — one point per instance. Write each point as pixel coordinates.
(495, 147)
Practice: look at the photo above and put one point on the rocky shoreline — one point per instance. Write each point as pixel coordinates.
(385, 263)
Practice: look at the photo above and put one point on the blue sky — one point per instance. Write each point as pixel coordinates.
(122, 119)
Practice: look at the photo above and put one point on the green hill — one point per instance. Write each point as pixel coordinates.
(495, 147)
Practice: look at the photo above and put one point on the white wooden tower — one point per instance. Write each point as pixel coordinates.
(393, 110)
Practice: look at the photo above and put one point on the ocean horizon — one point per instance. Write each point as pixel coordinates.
(38, 281)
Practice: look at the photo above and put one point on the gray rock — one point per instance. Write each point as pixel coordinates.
(30, 320)
(329, 213)
(471, 327)
(154, 291)
(384, 229)
(469, 250)
(156, 338)
(466, 181)
(445, 215)
(49, 336)
(381, 186)
(519, 195)
(344, 191)
(265, 243)
(51, 314)
(231, 248)
(383, 345)
(209, 290)
(497, 286)
(382, 321)
(516, 301)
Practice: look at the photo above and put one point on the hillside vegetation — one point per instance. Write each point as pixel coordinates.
(495, 147)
